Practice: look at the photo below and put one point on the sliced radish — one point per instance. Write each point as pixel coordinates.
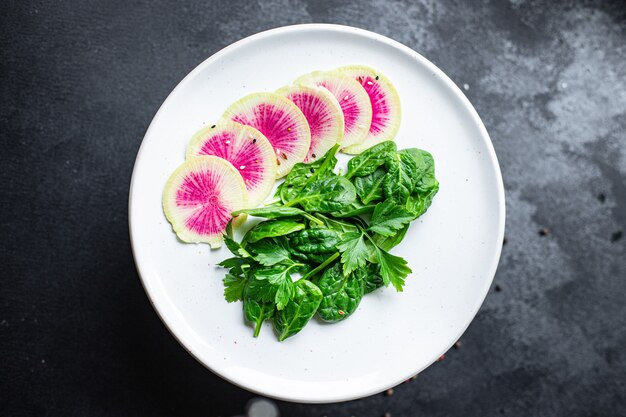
(386, 113)
(282, 123)
(246, 148)
(353, 99)
(322, 112)
(199, 197)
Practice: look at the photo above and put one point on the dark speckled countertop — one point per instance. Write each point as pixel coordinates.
(79, 84)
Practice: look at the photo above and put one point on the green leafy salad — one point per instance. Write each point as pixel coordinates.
(334, 232)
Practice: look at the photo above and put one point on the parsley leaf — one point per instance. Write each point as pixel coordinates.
(233, 287)
(272, 284)
(236, 248)
(355, 252)
(393, 269)
(231, 263)
(388, 242)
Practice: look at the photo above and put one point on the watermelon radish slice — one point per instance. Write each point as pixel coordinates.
(322, 112)
(353, 99)
(199, 197)
(386, 113)
(282, 123)
(246, 148)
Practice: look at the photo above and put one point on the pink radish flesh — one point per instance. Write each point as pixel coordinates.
(199, 190)
(246, 149)
(349, 106)
(323, 114)
(380, 104)
(200, 196)
(353, 101)
(247, 160)
(384, 102)
(280, 121)
(275, 124)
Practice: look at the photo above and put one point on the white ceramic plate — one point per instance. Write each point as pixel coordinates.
(453, 249)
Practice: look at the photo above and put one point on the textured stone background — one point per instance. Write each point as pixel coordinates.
(80, 82)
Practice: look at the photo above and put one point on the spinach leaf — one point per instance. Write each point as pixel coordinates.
(400, 179)
(272, 228)
(314, 244)
(233, 287)
(339, 226)
(369, 160)
(257, 312)
(324, 196)
(388, 218)
(371, 277)
(341, 294)
(426, 186)
(427, 183)
(302, 174)
(315, 241)
(369, 188)
(311, 257)
(419, 202)
(276, 212)
(270, 251)
(425, 164)
(353, 210)
(273, 284)
(299, 310)
(388, 242)
(295, 180)
(355, 251)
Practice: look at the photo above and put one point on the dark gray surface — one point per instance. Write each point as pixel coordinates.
(80, 82)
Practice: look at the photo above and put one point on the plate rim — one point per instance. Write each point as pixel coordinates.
(142, 268)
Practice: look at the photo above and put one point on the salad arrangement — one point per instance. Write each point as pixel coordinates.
(327, 235)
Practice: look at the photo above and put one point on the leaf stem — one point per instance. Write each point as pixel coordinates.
(321, 266)
(259, 322)
(371, 240)
(313, 219)
(294, 265)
